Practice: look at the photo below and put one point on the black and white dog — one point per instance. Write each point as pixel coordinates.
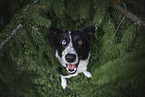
(72, 49)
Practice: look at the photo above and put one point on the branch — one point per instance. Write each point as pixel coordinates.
(129, 15)
(18, 27)
(12, 34)
(121, 20)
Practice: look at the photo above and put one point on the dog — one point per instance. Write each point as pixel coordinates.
(72, 49)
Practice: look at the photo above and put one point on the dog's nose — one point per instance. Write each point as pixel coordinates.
(70, 58)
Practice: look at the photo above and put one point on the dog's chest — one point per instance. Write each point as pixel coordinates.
(82, 66)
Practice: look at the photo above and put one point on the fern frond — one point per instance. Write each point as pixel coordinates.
(46, 5)
(127, 38)
(99, 15)
(40, 21)
(84, 8)
(58, 7)
(109, 49)
(72, 9)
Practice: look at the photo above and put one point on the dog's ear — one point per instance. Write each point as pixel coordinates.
(54, 32)
(89, 31)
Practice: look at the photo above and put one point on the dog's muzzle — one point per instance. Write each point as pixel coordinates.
(72, 63)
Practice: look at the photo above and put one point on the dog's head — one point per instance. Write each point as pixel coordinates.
(71, 46)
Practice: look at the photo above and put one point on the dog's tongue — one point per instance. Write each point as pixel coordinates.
(71, 66)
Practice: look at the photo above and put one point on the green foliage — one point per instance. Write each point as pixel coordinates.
(84, 8)
(127, 39)
(58, 8)
(72, 9)
(118, 77)
(40, 21)
(99, 15)
(28, 67)
(108, 50)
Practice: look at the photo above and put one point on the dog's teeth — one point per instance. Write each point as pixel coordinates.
(71, 71)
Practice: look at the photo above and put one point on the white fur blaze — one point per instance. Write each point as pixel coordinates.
(63, 82)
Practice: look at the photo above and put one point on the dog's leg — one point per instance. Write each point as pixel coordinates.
(87, 74)
(63, 82)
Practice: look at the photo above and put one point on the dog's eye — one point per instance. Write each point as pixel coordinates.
(80, 42)
(63, 42)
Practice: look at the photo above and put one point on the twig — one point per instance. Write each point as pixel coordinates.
(129, 15)
(12, 34)
(121, 20)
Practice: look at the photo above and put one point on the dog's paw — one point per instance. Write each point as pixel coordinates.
(63, 83)
(87, 74)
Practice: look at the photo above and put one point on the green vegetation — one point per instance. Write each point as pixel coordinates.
(28, 67)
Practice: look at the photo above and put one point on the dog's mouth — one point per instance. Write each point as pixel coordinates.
(71, 68)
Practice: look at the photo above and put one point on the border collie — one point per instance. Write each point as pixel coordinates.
(72, 49)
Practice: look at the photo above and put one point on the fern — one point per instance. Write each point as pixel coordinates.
(72, 9)
(46, 5)
(109, 49)
(58, 6)
(127, 39)
(118, 73)
(84, 9)
(99, 15)
(40, 21)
